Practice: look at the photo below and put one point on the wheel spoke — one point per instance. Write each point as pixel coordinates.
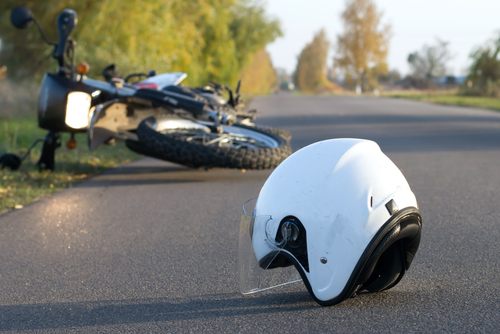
(226, 139)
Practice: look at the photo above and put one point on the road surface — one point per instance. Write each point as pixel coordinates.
(152, 247)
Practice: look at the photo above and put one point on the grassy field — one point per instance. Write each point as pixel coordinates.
(448, 98)
(18, 188)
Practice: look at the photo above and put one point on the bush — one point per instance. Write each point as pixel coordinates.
(484, 73)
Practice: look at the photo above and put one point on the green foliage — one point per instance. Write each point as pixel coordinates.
(311, 71)
(208, 39)
(484, 73)
(248, 32)
(362, 47)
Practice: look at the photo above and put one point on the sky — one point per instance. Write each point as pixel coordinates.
(465, 24)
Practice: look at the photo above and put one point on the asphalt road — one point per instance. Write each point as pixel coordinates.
(152, 247)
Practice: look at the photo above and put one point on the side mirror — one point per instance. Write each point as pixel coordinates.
(66, 22)
(20, 17)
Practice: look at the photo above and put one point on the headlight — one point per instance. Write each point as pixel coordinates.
(77, 110)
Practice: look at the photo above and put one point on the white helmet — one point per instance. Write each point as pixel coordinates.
(341, 213)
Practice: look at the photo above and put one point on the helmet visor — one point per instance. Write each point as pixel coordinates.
(262, 261)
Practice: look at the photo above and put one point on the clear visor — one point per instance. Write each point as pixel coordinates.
(263, 259)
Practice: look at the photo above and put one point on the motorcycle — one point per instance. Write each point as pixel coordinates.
(155, 117)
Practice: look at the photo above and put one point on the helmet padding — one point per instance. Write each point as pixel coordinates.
(392, 257)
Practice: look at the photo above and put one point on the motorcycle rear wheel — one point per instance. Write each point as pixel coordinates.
(236, 146)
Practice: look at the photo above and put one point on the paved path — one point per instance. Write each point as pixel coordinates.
(152, 247)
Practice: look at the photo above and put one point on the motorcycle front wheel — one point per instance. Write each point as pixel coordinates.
(196, 144)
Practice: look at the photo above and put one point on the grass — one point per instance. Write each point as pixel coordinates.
(18, 188)
(448, 98)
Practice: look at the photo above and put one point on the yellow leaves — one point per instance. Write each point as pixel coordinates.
(362, 47)
(310, 75)
(3, 190)
(259, 76)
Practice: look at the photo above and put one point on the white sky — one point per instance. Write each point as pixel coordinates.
(464, 23)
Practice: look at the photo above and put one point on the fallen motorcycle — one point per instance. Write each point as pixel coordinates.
(156, 117)
(212, 93)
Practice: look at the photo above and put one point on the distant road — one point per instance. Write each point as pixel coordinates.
(152, 247)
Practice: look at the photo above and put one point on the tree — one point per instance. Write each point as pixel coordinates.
(362, 47)
(208, 39)
(310, 73)
(484, 73)
(429, 62)
(251, 29)
(259, 76)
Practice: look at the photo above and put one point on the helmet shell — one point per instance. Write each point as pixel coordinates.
(338, 189)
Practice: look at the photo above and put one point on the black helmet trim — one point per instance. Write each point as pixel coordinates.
(353, 284)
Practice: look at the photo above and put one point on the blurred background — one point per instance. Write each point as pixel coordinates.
(388, 44)
(314, 46)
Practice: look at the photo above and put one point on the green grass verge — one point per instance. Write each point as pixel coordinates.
(449, 99)
(18, 188)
